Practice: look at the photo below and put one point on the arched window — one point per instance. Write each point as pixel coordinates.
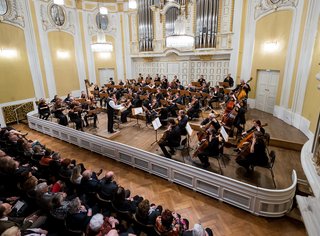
(3, 7)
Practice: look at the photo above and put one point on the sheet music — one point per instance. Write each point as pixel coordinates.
(156, 123)
(189, 129)
(18, 205)
(137, 110)
(224, 134)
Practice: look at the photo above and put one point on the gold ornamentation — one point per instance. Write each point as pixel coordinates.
(10, 114)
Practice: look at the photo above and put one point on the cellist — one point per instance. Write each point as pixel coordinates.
(209, 147)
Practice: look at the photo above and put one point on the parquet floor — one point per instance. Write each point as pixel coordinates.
(224, 219)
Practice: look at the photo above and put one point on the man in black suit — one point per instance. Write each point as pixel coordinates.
(229, 79)
(108, 186)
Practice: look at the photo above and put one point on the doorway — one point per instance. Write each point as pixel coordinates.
(267, 86)
(105, 74)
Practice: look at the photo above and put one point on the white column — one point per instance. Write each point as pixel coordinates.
(291, 54)
(118, 48)
(126, 39)
(237, 17)
(87, 44)
(79, 54)
(308, 41)
(248, 41)
(45, 52)
(32, 52)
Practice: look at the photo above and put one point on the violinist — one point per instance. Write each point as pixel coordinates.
(128, 111)
(193, 111)
(58, 112)
(171, 138)
(90, 110)
(43, 109)
(150, 112)
(215, 96)
(75, 117)
(157, 78)
(257, 154)
(164, 82)
(211, 120)
(209, 146)
(182, 122)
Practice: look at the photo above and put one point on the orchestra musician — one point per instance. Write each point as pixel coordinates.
(90, 110)
(171, 138)
(240, 118)
(256, 126)
(126, 112)
(209, 146)
(202, 80)
(257, 153)
(193, 111)
(75, 116)
(111, 106)
(211, 120)
(83, 95)
(43, 109)
(182, 122)
(58, 112)
(243, 86)
(229, 79)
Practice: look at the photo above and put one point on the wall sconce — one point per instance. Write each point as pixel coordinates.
(63, 54)
(105, 55)
(270, 46)
(8, 53)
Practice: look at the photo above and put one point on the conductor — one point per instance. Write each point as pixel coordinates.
(111, 106)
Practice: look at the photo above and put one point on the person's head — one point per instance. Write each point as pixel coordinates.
(242, 81)
(96, 222)
(256, 123)
(167, 218)
(143, 207)
(121, 195)
(172, 122)
(41, 188)
(109, 176)
(182, 112)
(87, 174)
(30, 183)
(76, 172)
(198, 230)
(58, 199)
(5, 209)
(12, 231)
(74, 206)
(65, 162)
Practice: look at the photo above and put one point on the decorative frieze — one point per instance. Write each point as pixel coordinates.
(14, 13)
(263, 7)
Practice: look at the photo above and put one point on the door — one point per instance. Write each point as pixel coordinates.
(105, 74)
(267, 86)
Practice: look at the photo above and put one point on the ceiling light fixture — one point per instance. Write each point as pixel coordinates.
(58, 2)
(103, 10)
(180, 39)
(133, 4)
(101, 45)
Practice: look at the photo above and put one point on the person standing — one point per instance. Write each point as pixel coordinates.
(229, 79)
(111, 106)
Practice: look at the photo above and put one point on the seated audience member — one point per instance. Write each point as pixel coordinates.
(199, 231)
(142, 212)
(60, 206)
(108, 187)
(154, 212)
(15, 231)
(43, 196)
(100, 225)
(78, 215)
(123, 204)
(167, 224)
(89, 182)
(7, 222)
(76, 175)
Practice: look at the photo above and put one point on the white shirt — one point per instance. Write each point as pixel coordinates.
(114, 106)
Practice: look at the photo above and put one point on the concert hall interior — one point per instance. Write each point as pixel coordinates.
(209, 109)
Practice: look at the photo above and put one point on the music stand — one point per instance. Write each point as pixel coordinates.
(225, 137)
(156, 125)
(189, 133)
(136, 111)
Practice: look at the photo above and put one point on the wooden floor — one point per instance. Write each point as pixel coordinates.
(221, 217)
(143, 136)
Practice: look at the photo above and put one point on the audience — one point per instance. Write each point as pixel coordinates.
(53, 195)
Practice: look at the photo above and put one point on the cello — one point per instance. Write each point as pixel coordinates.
(248, 137)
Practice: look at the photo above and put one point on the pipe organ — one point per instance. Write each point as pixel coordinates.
(171, 17)
(207, 23)
(145, 25)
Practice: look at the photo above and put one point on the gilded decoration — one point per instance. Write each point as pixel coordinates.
(263, 7)
(10, 114)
